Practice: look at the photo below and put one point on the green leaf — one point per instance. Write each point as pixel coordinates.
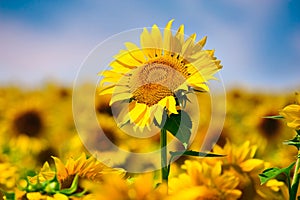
(180, 126)
(271, 173)
(295, 141)
(194, 153)
(274, 117)
(72, 189)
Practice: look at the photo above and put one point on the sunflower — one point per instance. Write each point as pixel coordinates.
(115, 187)
(39, 196)
(27, 117)
(153, 78)
(241, 161)
(202, 181)
(87, 168)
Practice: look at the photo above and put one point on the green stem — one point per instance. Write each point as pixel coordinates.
(164, 162)
(295, 182)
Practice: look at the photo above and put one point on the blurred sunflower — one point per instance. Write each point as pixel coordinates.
(27, 117)
(153, 77)
(8, 176)
(202, 181)
(140, 187)
(86, 168)
(25, 126)
(40, 196)
(240, 160)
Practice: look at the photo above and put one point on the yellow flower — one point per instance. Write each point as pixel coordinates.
(240, 160)
(202, 181)
(39, 196)
(274, 189)
(142, 187)
(152, 78)
(87, 168)
(8, 176)
(292, 115)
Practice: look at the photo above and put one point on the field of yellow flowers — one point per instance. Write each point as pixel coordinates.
(43, 157)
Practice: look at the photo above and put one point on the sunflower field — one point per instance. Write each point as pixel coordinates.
(42, 156)
(206, 150)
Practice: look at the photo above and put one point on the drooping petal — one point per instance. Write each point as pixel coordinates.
(136, 112)
(169, 103)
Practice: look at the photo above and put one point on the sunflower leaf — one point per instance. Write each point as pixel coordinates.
(271, 173)
(180, 126)
(274, 117)
(194, 153)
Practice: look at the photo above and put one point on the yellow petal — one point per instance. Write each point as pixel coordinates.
(157, 111)
(250, 164)
(147, 44)
(188, 46)
(157, 39)
(135, 52)
(119, 97)
(136, 112)
(180, 34)
(168, 36)
(109, 89)
(127, 59)
(169, 103)
(119, 67)
(60, 168)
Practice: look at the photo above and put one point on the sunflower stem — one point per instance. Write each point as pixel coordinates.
(164, 162)
(295, 182)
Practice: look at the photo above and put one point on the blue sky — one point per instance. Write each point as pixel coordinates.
(258, 41)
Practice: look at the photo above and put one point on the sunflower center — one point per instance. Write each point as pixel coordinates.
(156, 80)
(29, 123)
(151, 93)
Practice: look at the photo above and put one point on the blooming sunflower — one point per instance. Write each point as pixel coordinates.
(88, 168)
(153, 78)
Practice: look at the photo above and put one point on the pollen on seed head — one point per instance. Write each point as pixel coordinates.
(157, 79)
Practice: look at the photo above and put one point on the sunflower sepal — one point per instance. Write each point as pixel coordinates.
(52, 186)
(294, 142)
(73, 187)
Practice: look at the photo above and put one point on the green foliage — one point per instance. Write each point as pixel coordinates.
(8, 195)
(294, 142)
(194, 153)
(271, 173)
(180, 126)
(274, 117)
(52, 186)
